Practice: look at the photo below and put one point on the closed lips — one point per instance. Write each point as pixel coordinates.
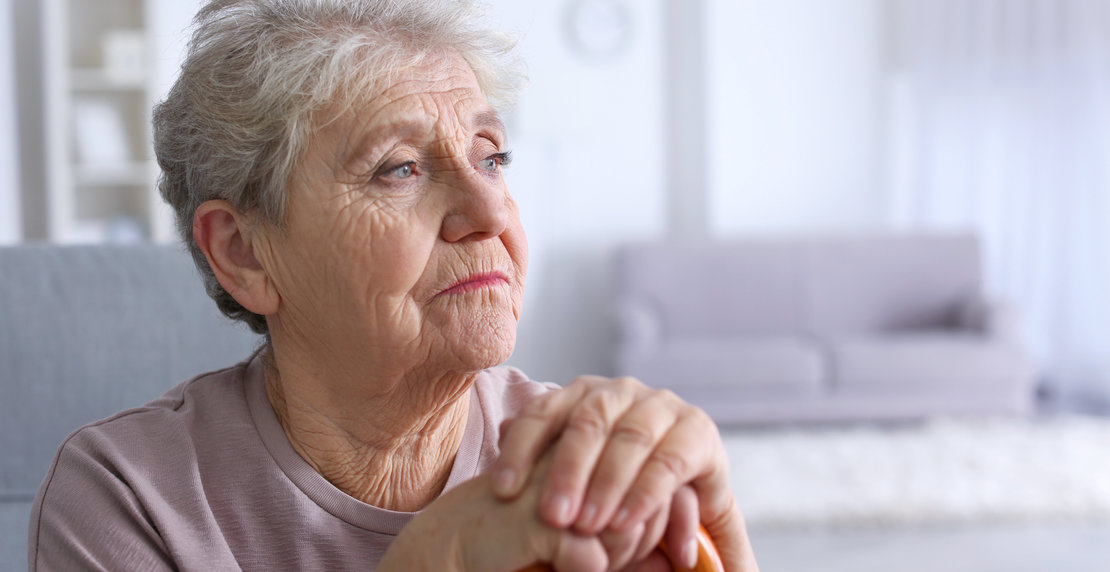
(475, 282)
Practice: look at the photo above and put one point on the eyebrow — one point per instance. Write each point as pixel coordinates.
(488, 119)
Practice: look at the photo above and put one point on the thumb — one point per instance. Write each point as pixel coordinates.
(727, 529)
(571, 552)
(576, 552)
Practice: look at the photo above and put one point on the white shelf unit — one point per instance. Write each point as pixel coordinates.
(100, 86)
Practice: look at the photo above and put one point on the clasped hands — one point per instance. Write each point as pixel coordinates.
(590, 477)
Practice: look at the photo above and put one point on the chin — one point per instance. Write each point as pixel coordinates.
(486, 343)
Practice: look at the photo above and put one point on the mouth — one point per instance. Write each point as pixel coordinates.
(474, 283)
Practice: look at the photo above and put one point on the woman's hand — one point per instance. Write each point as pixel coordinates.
(620, 451)
(470, 529)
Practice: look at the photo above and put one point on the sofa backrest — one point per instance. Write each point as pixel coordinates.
(86, 331)
(792, 286)
(716, 288)
(891, 283)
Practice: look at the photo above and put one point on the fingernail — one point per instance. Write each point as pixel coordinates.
(560, 509)
(586, 519)
(621, 518)
(504, 481)
(689, 554)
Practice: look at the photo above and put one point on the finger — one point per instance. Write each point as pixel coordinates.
(529, 434)
(576, 453)
(721, 516)
(622, 547)
(631, 442)
(517, 534)
(653, 533)
(680, 540)
(730, 536)
(577, 552)
(628, 547)
(691, 450)
(653, 562)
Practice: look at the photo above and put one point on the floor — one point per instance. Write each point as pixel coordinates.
(1027, 547)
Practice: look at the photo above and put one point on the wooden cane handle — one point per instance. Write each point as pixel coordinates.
(709, 560)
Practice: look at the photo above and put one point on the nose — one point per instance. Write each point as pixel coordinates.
(480, 209)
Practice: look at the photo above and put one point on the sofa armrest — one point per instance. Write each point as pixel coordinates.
(993, 317)
(638, 325)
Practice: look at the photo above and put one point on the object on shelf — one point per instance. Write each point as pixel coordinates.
(123, 56)
(100, 135)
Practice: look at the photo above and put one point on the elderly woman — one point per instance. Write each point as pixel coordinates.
(336, 170)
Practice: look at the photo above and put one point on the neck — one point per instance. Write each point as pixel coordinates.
(388, 443)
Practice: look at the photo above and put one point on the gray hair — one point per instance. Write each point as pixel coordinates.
(257, 74)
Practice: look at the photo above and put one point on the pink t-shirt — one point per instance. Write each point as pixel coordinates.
(204, 478)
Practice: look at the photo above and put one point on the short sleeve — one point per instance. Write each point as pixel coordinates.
(86, 517)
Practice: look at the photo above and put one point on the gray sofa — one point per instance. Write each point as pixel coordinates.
(85, 332)
(820, 329)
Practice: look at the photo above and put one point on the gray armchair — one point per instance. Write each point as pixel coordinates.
(86, 332)
(820, 329)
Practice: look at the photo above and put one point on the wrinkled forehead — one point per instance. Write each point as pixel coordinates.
(434, 98)
(427, 86)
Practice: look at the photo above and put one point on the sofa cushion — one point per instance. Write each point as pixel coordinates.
(926, 363)
(890, 284)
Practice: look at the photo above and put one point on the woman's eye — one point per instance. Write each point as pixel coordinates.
(495, 161)
(403, 171)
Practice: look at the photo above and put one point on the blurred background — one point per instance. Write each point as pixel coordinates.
(705, 121)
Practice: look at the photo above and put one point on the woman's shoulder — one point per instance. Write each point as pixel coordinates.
(167, 414)
(503, 391)
(189, 419)
(135, 467)
(512, 380)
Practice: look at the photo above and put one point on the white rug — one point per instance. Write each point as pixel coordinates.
(941, 471)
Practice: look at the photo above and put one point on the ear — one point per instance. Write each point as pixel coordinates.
(224, 236)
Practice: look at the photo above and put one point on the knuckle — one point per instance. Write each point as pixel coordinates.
(641, 498)
(585, 381)
(668, 396)
(628, 383)
(699, 416)
(712, 432)
(634, 435)
(588, 424)
(670, 463)
(593, 415)
(541, 408)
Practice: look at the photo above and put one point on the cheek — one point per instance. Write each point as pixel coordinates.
(516, 244)
(387, 250)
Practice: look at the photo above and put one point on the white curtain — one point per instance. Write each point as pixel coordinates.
(1000, 122)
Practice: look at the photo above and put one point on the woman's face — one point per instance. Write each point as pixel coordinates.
(403, 248)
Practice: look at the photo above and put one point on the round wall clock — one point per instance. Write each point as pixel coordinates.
(598, 28)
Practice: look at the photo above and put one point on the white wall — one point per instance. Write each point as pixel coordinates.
(794, 115)
(169, 23)
(169, 28)
(588, 173)
(10, 227)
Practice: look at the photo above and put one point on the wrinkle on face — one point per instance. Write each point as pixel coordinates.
(364, 267)
(362, 263)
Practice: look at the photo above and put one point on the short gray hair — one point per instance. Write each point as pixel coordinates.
(240, 116)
